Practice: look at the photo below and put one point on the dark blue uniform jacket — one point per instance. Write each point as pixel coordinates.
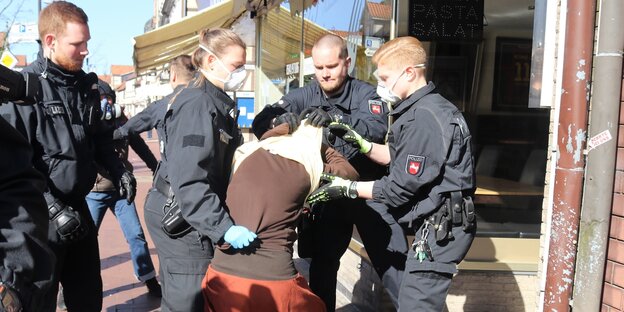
(149, 118)
(358, 105)
(431, 155)
(200, 137)
(66, 148)
(24, 218)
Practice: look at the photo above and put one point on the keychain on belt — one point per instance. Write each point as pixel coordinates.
(421, 247)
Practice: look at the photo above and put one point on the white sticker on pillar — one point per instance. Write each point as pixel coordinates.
(599, 139)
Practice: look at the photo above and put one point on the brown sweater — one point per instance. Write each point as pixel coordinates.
(266, 194)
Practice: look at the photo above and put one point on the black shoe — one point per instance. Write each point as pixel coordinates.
(153, 288)
(60, 301)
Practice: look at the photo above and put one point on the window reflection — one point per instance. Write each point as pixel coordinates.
(365, 25)
(488, 80)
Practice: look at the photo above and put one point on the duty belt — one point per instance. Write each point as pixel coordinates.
(457, 210)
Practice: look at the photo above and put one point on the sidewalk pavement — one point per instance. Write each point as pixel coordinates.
(121, 290)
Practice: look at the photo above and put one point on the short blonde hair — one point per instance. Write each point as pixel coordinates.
(54, 17)
(400, 52)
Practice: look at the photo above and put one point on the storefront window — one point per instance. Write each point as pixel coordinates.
(280, 43)
(365, 25)
(480, 59)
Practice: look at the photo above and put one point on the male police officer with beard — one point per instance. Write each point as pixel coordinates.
(62, 127)
(336, 96)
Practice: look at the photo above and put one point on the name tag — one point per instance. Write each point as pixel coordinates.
(55, 110)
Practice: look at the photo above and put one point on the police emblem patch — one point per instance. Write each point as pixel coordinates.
(414, 164)
(375, 107)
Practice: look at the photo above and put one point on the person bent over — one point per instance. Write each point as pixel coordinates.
(270, 182)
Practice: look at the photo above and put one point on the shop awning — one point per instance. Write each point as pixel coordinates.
(158, 46)
(281, 40)
(261, 7)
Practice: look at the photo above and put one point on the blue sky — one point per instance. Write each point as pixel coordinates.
(113, 24)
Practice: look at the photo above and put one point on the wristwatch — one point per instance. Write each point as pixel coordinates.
(8, 299)
(352, 192)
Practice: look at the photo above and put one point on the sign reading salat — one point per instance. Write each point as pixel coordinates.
(446, 20)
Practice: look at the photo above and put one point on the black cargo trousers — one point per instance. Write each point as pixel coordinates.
(183, 260)
(329, 237)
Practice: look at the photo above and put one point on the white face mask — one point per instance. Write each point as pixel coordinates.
(234, 80)
(386, 94)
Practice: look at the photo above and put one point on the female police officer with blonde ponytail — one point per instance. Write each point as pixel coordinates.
(185, 211)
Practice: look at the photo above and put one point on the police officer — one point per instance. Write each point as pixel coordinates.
(26, 273)
(431, 176)
(181, 71)
(63, 129)
(185, 211)
(336, 96)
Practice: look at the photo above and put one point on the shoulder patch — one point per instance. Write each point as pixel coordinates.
(375, 107)
(414, 165)
(193, 140)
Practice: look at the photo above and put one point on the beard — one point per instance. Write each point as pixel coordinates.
(69, 64)
(332, 87)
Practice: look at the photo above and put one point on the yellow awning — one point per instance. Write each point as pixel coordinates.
(281, 40)
(158, 46)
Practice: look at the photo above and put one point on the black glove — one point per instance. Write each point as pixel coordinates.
(290, 118)
(317, 117)
(117, 135)
(68, 223)
(127, 186)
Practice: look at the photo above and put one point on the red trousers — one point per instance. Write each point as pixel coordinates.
(229, 293)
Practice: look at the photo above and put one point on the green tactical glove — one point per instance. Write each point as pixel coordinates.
(345, 132)
(336, 188)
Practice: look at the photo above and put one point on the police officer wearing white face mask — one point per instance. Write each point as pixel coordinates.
(430, 181)
(185, 211)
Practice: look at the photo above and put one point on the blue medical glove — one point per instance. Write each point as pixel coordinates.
(239, 236)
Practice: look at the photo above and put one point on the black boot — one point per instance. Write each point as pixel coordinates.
(153, 288)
